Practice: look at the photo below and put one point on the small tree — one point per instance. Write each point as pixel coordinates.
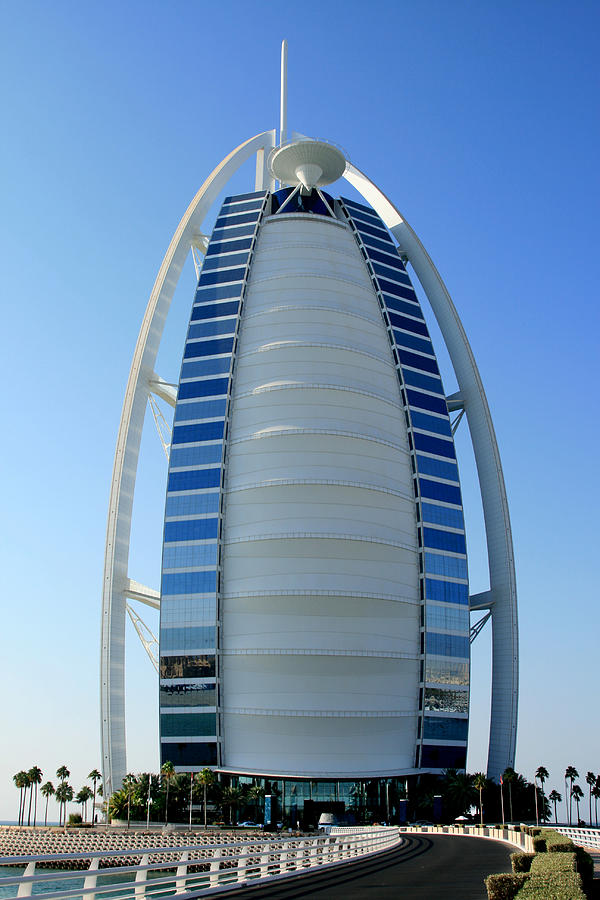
(571, 774)
(555, 797)
(21, 780)
(509, 775)
(47, 790)
(82, 798)
(206, 778)
(64, 795)
(35, 777)
(578, 794)
(590, 781)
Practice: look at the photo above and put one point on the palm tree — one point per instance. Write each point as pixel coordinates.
(591, 781)
(64, 795)
(167, 770)
(94, 776)
(47, 791)
(35, 778)
(542, 773)
(255, 795)
(596, 795)
(21, 780)
(206, 778)
(480, 782)
(555, 797)
(231, 798)
(459, 792)
(509, 775)
(82, 798)
(571, 774)
(129, 786)
(578, 794)
(63, 773)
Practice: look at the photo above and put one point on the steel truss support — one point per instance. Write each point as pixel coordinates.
(505, 661)
(149, 641)
(478, 626)
(141, 381)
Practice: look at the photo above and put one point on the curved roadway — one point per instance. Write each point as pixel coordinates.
(424, 867)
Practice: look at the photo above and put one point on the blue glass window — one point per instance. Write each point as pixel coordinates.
(191, 505)
(354, 204)
(429, 466)
(438, 564)
(442, 515)
(212, 328)
(437, 446)
(447, 618)
(443, 757)
(196, 456)
(206, 367)
(412, 341)
(363, 228)
(430, 423)
(202, 409)
(423, 381)
(237, 206)
(222, 234)
(403, 306)
(189, 756)
(192, 529)
(195, 479)
(188, 556)
(448, 644)
(222, 276)
(185, 639)
(188, 724)
(226, 221)
(435, 490)
(214, 387)
(228, 246)
(187, 666)
(445, 729)
(253, 195)
(390, 258)
(210, 293)
(408, 324)
(215, 310)
(189, 695)
(439, 700)
(227, 259)
(444, 540)
(208, 348)
(393, 273)
(417, 362)
(398, 290)
(366, 215)
(425, 401)
(446, 592)
(190, 583)
(446, 670)
(191, 434)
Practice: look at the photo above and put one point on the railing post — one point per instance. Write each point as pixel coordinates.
(91, 879)
(25, 887)
(264, 863)
(213, 878)
(140, 879)
(181, 874)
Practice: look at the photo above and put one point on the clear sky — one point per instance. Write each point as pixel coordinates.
(479, 119)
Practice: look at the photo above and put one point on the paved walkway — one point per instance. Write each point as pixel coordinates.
(436, 867)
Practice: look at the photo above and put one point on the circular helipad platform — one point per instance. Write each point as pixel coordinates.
(309, 163)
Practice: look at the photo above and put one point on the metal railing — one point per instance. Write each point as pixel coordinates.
(193, 870)
(586, 837)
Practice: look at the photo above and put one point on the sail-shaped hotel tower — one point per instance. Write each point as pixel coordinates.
(314, 604)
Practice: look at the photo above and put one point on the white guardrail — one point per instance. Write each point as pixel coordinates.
(200, 869)
(586, 837)
(510, 836)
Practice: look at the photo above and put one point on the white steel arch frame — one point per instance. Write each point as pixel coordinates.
(142, 380)
(501, 599)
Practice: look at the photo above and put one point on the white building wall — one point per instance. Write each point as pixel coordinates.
(320, 606)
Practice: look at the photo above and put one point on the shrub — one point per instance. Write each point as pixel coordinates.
(75, 819)
(521, 862)
(539, 844)
(557, 843)
(504, 886)
(552, 886)
(585, 867)
(557, 862)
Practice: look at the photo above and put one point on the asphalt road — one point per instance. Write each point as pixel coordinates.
(423, 868)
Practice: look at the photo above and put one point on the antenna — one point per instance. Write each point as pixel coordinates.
(283, 101)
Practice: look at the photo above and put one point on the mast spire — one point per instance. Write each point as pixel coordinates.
(283, 100)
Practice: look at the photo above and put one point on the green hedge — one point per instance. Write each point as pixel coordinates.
(504, 887)
(552, 886)
(521, 862)
(544, 863)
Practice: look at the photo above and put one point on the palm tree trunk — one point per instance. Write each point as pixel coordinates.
(29, 810)
(510, 800)
(46, 813)
(35, 807)
(205, 805)
(94, 803)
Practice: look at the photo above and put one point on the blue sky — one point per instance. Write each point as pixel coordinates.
(479, 120)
